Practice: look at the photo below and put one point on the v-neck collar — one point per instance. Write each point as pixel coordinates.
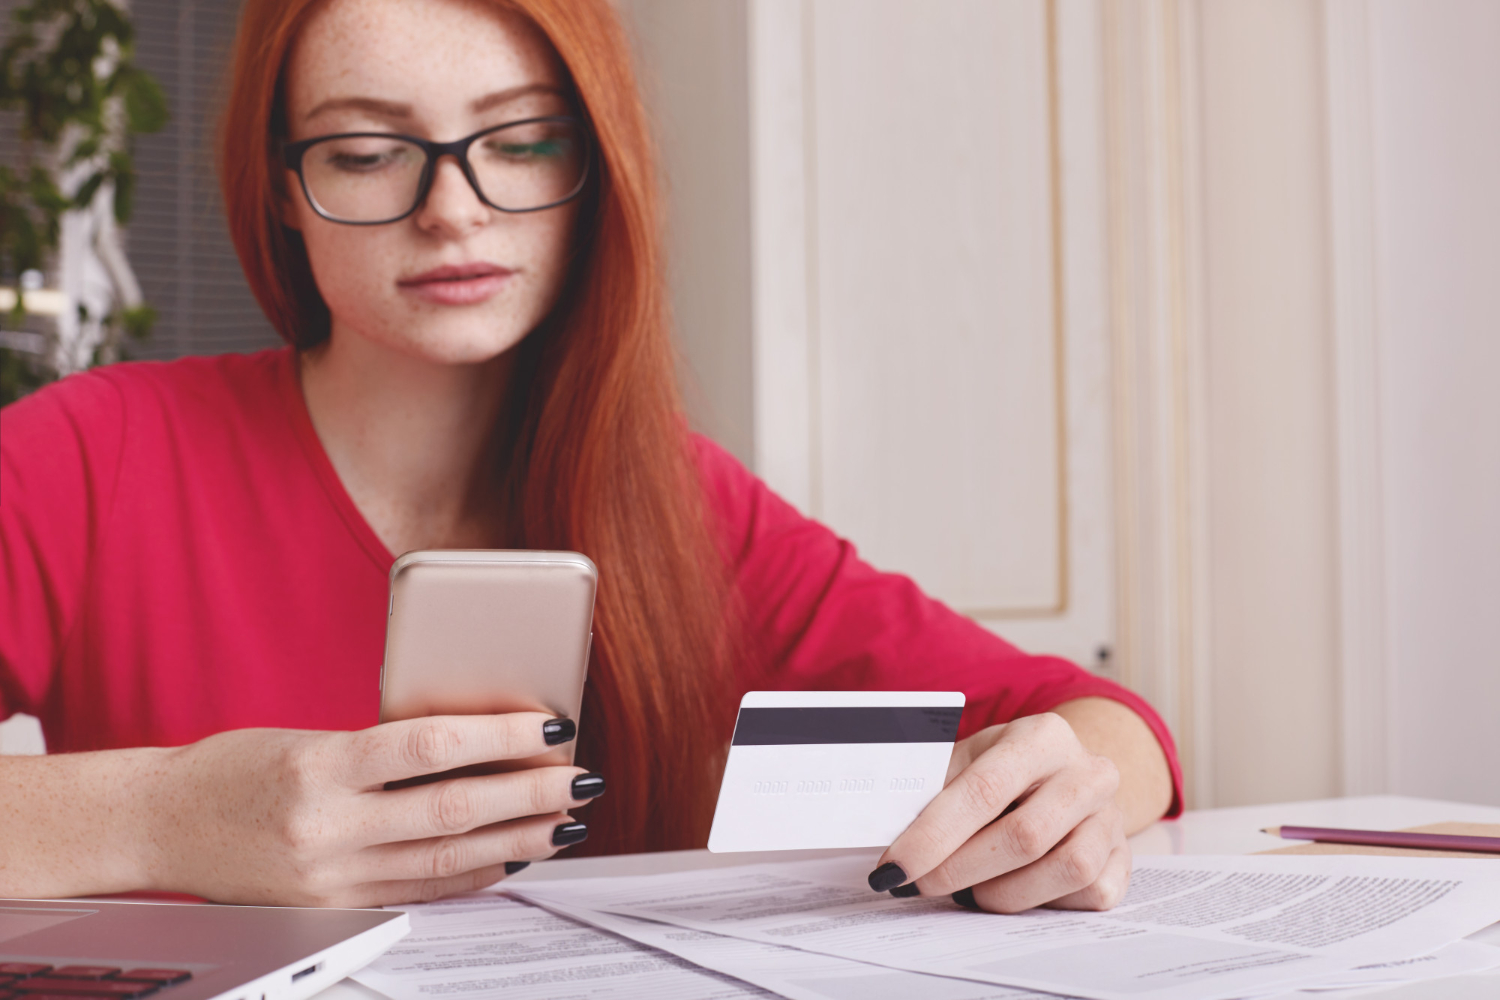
(322, 467)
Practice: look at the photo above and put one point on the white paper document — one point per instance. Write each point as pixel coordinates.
(1461, 958)
(806, 975)
(486, 944)
(797, 974)
(1191, 928)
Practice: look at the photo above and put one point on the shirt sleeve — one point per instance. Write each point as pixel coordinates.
(59, 455)
(817, 617)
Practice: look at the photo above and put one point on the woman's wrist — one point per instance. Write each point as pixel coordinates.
(1112, 729)
(149, 801)
(117, 816)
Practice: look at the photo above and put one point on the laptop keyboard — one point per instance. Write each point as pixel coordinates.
(35, 981)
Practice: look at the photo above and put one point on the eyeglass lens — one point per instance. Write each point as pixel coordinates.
(370, 178)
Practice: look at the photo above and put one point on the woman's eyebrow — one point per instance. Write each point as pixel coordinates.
(394, 109)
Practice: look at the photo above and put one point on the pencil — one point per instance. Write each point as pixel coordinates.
(1388, 838)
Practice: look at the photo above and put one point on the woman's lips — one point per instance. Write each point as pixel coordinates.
(457, 284)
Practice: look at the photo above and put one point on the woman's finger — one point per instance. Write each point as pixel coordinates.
(1076, 863)
(1028, 751)
(458, 805)
(441, 858)
(394, 751)
(424, 890)
(1041, 823)
(1107, 891)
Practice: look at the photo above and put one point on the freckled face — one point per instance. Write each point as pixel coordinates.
(456, 281)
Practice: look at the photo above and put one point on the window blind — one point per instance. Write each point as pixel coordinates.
(176, 240)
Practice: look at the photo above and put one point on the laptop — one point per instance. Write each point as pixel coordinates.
(92, 950)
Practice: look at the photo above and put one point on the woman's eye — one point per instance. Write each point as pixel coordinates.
(366, 161)
(358, 163)
(546, 149)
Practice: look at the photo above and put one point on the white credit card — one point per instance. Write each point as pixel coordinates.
(832, 768)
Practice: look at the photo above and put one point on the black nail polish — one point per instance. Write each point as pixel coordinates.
(887, 876)
(511, 867)
(965, 898)
(906, 891)
(588, 786)
(569, 833)
(555, 731)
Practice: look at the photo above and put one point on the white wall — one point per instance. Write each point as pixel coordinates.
(1269, 410)
(693, 62)
(1436, 128)
(1223, 411)
(21, 734)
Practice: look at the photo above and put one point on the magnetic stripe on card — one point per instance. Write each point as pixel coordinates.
(885, 724)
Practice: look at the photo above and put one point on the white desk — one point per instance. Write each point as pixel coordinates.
(1206, 831)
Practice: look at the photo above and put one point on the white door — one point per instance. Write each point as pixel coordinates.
(930, 349)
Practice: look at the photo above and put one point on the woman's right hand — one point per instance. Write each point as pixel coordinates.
(291, 817)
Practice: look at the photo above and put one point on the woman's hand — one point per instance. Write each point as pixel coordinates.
(1027, 818)
(292, 817)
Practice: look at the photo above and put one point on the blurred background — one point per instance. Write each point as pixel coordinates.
(1160, 334)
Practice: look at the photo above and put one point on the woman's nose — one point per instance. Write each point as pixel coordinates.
(452, 205)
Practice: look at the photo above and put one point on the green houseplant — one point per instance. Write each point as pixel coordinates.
(67, 66)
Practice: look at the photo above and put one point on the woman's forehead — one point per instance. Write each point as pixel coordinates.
(431, 61)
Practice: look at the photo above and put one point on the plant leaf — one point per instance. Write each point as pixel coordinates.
(145, 102)
(87, 190)
(124, 188)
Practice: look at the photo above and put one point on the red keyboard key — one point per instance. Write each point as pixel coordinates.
(166, 977)
(22, 969)
(5, 981)
(87, 987)
(83, 972)
(161, 977)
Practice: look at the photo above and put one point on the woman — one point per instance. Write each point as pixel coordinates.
(194, 553)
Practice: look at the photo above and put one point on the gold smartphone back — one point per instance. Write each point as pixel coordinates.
(476, 631)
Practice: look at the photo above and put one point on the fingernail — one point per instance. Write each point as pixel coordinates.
(887, 876)
(511, 867)
(555, 731)
(906, 891)
(569, 833)
(588, 786)
(965, 898)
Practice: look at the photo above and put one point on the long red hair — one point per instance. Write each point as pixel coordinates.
(601, 462)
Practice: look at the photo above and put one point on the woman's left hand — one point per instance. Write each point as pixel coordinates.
(1062, 844)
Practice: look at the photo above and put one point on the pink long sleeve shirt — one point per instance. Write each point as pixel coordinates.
(178, 557)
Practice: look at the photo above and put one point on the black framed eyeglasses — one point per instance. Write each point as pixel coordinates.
(371, 178)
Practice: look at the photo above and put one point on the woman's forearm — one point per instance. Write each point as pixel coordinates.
(78, 823)
(1110, 729)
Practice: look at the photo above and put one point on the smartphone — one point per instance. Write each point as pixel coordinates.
(476, 632)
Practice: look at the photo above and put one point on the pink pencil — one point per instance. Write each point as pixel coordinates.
(1388, 838)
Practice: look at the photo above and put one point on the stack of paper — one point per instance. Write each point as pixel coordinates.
(1191, 928)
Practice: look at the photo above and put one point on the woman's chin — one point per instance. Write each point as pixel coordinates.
(455, 347)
